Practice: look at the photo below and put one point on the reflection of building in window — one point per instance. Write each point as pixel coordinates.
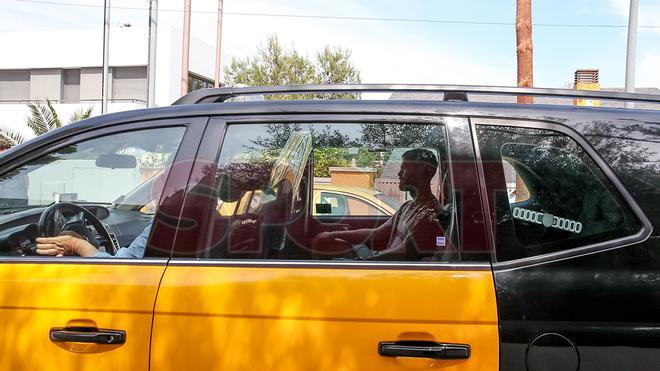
(197, 81)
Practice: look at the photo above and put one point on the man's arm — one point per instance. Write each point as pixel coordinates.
(353, 237)
(65, 244)
(135, 250)
(73, 244)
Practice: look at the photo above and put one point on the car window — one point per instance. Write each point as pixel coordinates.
(343, 205)
(337, 202)
(101, 170)
(516, 188)
(283, 179)
(547, 193)
(357, 207)
(117, 177)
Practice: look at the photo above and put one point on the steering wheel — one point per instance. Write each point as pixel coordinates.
(52, 222)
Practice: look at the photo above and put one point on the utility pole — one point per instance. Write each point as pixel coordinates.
(631, 52)
(106, 46)
(524, 47)
(151, 58)
(218, 46)
(186, 47)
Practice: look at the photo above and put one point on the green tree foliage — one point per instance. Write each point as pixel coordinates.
(325, 158)
(43, 118)
(383, 136)
(329, 145)
(274, 65)
(278, 134)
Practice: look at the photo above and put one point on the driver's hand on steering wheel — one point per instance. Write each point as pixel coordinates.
(67, 243)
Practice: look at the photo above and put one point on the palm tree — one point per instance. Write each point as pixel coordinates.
(43, 118)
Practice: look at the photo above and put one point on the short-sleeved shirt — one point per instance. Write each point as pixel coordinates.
(416, 230)
(135, 250)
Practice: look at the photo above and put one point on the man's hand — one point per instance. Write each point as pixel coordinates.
(330, 241)
(65, 245)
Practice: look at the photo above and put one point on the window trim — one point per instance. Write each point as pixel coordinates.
(646, 226)
(306, 264)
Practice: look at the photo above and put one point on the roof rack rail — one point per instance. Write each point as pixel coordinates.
(216, 95)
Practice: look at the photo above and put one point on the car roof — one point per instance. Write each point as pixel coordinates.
(566, 115)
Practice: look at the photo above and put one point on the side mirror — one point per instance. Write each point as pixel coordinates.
(116, 161)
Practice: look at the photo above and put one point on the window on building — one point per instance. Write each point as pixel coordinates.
(15, 85)
(129, 83)
(196, 82)
(71, 86)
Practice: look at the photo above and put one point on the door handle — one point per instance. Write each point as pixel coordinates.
(87, 335)
(423, 349)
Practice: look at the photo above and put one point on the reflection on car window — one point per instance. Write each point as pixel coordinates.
(556, 196)
(122, 161)
(116, 179)
(515, 185)
(284, 190)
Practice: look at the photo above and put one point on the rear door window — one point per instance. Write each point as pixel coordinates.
(547, 194)
(282, 190)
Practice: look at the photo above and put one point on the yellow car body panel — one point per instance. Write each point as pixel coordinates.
(286, 318)
(38, 297)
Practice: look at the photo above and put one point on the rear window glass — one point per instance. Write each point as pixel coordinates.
(547, 194)
(344, 191)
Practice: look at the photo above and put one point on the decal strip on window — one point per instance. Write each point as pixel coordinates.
(547, 220)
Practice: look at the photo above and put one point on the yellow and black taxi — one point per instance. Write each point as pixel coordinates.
(336, 235)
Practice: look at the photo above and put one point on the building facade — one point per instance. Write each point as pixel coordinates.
(66, 67)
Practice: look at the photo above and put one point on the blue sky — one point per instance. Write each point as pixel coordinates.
(402, 52)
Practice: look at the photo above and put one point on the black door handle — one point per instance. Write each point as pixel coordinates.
(87, 335)
(423, 349)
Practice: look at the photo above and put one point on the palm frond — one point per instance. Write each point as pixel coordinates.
(36, 120)
(81, 114)
(43, 117)
(10, 137)
(55, 119)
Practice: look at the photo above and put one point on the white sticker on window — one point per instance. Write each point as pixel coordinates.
(440, 241)
(547, 220)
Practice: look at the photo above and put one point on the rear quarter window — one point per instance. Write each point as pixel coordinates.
(632, 149)
(562, 198)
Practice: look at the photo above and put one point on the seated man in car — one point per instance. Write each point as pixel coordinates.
(72, 244)
(413, 231)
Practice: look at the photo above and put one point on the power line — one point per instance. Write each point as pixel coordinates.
(347, 18)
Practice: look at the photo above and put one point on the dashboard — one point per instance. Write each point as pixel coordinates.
(18, 230)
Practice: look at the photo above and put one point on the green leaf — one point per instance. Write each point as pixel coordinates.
(36, 121)
(276, 65)
(43, 117)
(81, 114)
(10, 137)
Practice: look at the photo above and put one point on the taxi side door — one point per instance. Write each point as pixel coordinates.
(221, 311)
(74, 313)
